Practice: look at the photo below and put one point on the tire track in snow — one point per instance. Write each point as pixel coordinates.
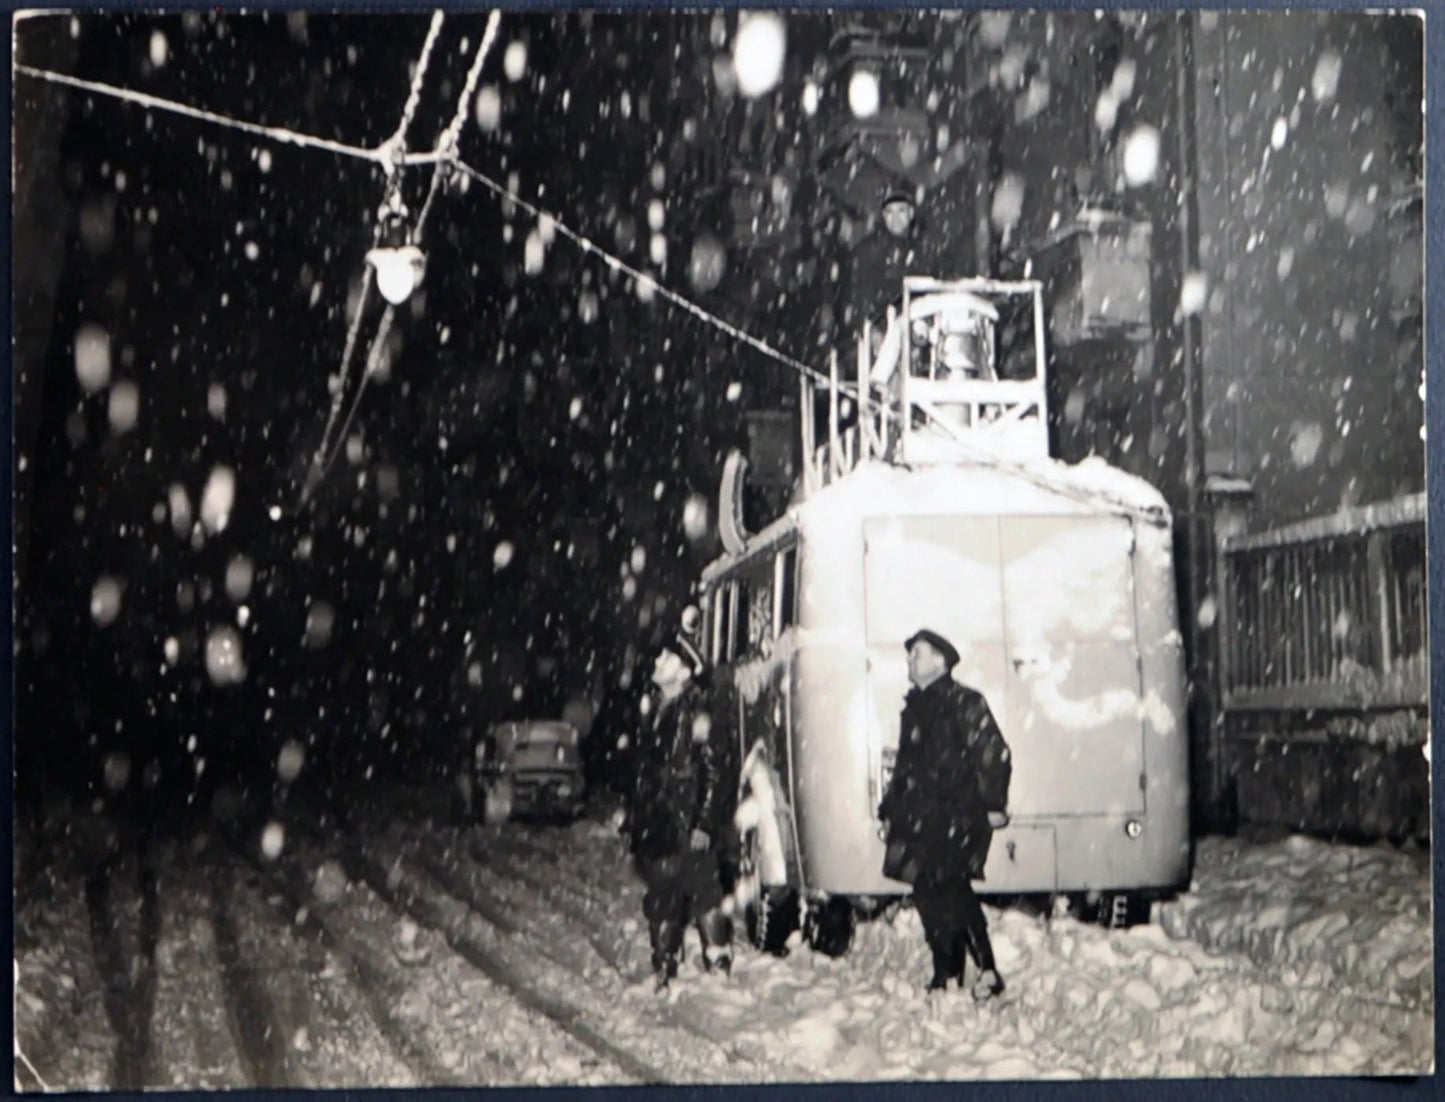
(435, 909)
(59, 1030)
(331, 928)
(255, 995)
(681, 1023)
(546, 930)
(194, 1044)
(557, 894)
(458, 875)
(319, 1021)
(511, 851)
(124, 918)
(577, 863)
(513, 1042)
(507, 854)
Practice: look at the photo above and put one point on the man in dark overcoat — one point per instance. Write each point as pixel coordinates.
(948, 793)
(674, 814)
(898, 247)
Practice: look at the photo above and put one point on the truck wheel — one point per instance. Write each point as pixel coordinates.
(769, 913)
(830, 926)
(772, 919)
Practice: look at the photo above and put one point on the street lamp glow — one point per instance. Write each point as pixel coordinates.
(398, 271)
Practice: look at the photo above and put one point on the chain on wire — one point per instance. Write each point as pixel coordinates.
(396, 144)
(446, 156)
(413, 98)
(446, 146)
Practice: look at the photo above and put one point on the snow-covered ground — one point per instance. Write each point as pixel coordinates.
(412, 952)
(1348, 994)
(1319, 914)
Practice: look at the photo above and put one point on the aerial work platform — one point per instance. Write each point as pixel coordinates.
(957, 372)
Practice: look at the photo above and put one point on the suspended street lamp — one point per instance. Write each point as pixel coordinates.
(399, 271)
(399, 262)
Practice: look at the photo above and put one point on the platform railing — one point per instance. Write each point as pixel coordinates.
(870, 419)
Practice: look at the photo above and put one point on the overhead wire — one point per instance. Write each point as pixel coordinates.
(444, 157)
(446, 148)
(380, 154)
(642, 278)
(413, 97)
(396, 147)
(443, 154)
(867, 404)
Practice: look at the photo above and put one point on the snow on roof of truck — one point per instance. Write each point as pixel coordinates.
(983, 486)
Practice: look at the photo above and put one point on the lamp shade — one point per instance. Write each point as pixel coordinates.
(399, 271)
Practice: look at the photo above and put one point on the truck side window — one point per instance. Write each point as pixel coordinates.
(787, 584)
(742, 596)
(713, 611)
(760, 614)
(727, 596)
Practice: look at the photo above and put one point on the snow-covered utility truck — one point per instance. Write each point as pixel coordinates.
(939, 506)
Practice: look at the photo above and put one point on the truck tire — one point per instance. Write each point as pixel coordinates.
(830, 926)
(772, 919)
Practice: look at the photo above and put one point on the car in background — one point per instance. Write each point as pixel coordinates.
(525, 768)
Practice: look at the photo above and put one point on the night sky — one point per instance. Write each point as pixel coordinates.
(219, 268)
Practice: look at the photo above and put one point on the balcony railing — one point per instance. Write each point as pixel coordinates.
(1328, 613)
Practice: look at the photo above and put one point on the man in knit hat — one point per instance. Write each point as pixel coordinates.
(676, 793)
(897, 247)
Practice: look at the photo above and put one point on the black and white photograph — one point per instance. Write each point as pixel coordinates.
(579, 548)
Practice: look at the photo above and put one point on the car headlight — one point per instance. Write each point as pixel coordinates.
(1133, 828)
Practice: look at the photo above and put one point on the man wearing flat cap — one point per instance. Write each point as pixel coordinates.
(948, 793)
